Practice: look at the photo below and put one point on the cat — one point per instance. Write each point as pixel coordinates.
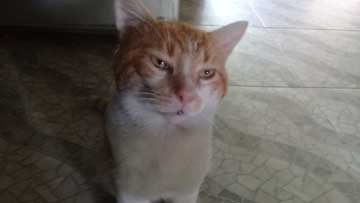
(170, 78)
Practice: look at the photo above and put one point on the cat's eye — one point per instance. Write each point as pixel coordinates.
(160, 64)
(207, 74)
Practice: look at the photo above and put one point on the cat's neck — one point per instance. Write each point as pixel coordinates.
(131, 113)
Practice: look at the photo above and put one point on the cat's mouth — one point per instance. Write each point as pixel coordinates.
(175, 117)
(174, 113)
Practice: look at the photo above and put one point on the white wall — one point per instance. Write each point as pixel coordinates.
(168, 9)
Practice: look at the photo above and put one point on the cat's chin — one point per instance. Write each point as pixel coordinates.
(181, 119)
(176, 119)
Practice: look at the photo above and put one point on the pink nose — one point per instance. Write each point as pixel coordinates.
(186, 97)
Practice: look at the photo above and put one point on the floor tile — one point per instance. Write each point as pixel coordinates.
(259, 61)
(296, 58)
(321, 58)
(295, 169)
(214, 12)
(250, 182)
(329, 14)
(262, 197)
(332, 197)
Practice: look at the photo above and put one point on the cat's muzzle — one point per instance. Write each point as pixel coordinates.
(179, 113)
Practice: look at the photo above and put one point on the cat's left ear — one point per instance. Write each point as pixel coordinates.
(226, 38)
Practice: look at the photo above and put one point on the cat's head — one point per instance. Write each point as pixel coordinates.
(173, 69)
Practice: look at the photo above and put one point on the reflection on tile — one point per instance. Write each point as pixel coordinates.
(214, 12)
(330, 14)
(259, 61)
(322, 58)
(321, 14)
(296, 58)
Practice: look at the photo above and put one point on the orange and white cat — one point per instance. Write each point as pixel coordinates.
(170, 78)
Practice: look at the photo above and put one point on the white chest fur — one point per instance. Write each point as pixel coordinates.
(157, 160)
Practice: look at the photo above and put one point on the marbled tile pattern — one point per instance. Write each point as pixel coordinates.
(296, 44)
(319, 14)
(296, 58)
(287, 145)
(287, 132)
(326, 14)
(213, 12)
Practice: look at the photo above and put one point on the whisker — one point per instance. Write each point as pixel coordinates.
(159, 100)
(149, 93)
(152, 92)
(154, 97)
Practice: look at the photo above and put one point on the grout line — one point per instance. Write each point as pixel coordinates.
(296, 87)
(111, 28)
(256, 13)
(286, 28)
(308, 28)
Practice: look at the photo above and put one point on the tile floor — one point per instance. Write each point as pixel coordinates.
(288, 132)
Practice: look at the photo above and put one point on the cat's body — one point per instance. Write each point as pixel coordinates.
(170, 78)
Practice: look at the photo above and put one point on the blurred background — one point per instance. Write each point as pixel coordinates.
(78, 15)
(287, 132)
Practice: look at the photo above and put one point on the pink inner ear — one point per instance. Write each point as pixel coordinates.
(228, 36)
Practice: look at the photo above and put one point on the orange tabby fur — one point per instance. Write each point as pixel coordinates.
(174, 39)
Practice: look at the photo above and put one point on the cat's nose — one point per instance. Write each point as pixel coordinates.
(186, 97)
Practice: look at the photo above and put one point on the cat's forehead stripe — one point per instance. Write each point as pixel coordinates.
(182, 39)
(170, 49)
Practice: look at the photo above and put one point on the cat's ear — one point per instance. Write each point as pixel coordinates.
(130, 13)
(226, 38)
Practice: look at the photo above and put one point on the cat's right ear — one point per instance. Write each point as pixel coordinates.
(226, 38)
(130, 13)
